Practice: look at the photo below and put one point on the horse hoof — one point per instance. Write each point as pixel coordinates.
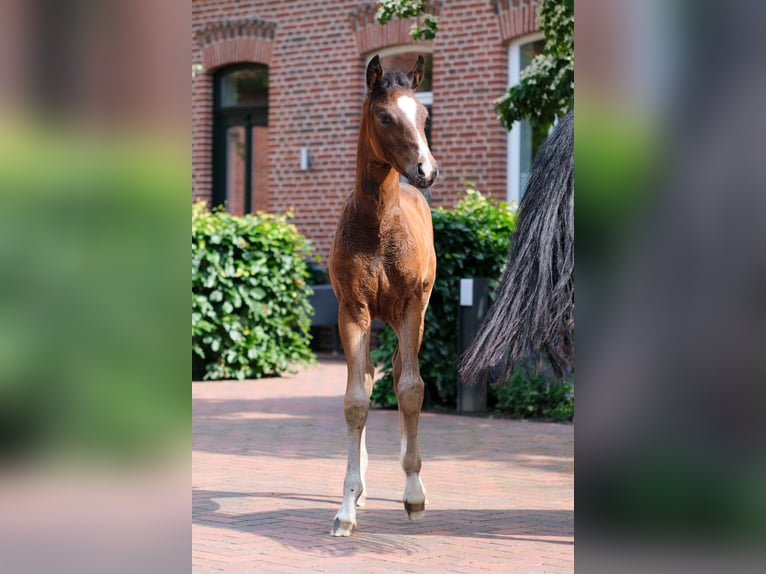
(416, 510)
(342, 528)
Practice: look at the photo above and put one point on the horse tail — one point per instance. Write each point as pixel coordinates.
(533, 311)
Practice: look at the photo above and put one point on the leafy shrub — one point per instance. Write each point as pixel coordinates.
(470, 241)
(532, 393)
(250, 306)
(92, 366)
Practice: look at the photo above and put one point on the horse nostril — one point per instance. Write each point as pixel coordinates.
(421, 173)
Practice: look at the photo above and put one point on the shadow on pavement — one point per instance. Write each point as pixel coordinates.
(380, 530)
(313, 427)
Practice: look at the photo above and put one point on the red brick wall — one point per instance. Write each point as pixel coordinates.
(470, 72)
(316, 75)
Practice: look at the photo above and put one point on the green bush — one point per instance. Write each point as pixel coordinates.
(471, 241)
(532, 393)
(250, 297)
(93, 259)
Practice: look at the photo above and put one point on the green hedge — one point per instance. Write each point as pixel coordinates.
(533, 393)
(471, 241)
(250, 296)
(92, 371)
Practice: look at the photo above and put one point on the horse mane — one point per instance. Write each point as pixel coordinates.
(533, 312)
(394, 79)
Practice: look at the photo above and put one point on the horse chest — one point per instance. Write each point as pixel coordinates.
(390, 286)
(381, 260)
(385, 272)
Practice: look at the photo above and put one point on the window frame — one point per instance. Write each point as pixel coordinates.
(514, 191)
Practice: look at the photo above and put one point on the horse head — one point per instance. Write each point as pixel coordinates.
(393, 120)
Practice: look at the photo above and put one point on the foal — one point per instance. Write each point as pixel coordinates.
(382, 266)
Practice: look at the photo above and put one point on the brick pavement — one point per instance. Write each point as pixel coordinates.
(268, 464)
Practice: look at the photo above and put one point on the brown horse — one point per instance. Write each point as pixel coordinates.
(382, 266)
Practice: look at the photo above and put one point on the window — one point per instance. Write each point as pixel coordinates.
(240, 138)
(523, 139)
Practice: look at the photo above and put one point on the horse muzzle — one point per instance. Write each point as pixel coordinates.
(424, 175)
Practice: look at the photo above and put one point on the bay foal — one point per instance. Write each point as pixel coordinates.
(382, 266)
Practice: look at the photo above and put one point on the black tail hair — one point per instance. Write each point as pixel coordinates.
(533, 311)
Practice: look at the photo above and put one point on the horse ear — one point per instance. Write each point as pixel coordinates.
(374, 73)
(416, 73)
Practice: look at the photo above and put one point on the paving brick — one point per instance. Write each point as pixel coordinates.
(267, 472)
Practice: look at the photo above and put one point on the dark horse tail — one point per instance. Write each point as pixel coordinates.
(533, 310)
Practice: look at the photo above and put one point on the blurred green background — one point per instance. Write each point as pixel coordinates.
(94, 259)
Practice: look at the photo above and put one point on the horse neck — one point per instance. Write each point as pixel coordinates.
(377, 183)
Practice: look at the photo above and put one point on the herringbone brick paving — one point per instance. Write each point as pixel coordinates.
(269, 458)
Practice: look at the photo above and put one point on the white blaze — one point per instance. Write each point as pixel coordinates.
(410, 108)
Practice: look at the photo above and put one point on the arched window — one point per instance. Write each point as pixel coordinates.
(240, 138)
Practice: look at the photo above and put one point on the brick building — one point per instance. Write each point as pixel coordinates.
(277, 89)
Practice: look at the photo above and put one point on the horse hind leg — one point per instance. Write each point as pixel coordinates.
(355, 406)
(409, 389)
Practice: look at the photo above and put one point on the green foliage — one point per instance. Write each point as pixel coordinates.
(250, 307)
(536, 394)
(404, 9)
(93, 255)
(546, 89)
(470, 241)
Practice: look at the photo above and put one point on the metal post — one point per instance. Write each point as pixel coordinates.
(474, 300)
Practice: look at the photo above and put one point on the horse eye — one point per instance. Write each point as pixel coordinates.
(384, 118)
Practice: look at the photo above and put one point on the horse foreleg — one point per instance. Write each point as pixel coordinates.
(355, 339)
(369, 381)
(410, 389)
(361, 502)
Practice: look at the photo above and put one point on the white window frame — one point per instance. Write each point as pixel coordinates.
(514, 136)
